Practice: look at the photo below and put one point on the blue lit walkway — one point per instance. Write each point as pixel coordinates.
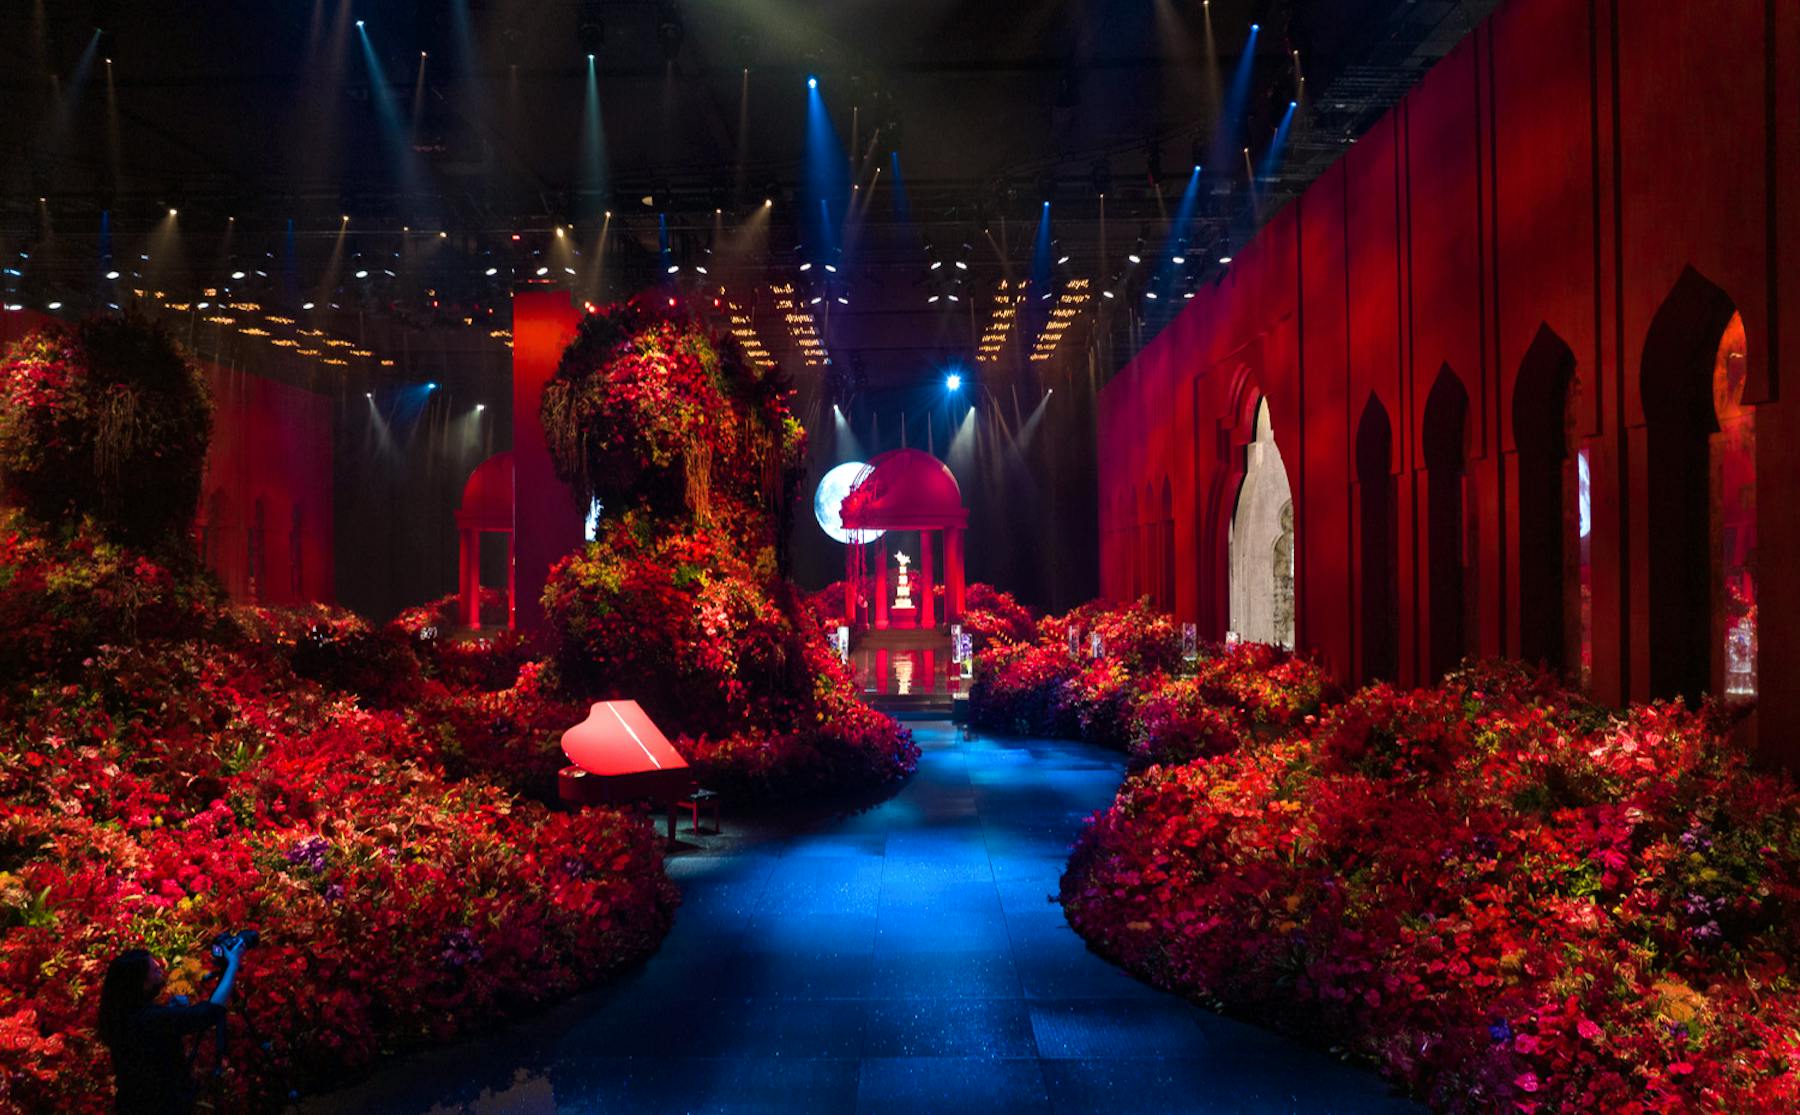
(907, 959)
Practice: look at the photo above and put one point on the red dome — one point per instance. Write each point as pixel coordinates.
(487, 500)
(904, 489)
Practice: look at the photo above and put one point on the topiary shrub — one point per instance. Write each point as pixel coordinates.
(105, 419)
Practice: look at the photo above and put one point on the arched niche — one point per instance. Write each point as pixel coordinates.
(1555, 600)
(1699, 439)
(1377, 544)
(1445, 443)
(1260, 543)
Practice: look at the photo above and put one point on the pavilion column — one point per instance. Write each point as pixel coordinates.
(927, 610)
(881, 585)
(851, 580)
(512, 585)
(953, 574)
(469, 576)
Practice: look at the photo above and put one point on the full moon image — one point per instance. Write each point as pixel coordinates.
(828, 503)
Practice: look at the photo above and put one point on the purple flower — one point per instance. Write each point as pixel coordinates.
(1500, 1030)
(334, 892)
(460, 949)
(310, 853)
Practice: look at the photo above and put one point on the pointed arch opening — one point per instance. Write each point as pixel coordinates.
(1445, 444)
(1700, 457)
(1555, 601)
(1260, 543)
(1377, 565)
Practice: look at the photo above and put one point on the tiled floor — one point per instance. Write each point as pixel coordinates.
(905, 959)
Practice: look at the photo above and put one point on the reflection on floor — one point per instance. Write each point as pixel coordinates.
(907, 959)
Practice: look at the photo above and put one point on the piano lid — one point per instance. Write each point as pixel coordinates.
(618, 738)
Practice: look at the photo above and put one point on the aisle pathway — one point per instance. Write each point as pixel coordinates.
(907, 959)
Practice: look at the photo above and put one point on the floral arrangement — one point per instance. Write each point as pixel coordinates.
(992, 617)
(1503, 896)
(680, 603)
(105, 419)
(488, 660)
(1140, 696)
(183, 779)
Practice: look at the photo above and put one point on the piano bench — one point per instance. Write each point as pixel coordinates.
(693, 803)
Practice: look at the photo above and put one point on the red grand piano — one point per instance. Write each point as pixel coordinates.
(619, 756)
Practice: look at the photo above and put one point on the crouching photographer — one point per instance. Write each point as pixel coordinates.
(149, 1038)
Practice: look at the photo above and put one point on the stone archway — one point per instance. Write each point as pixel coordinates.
(1260, 543)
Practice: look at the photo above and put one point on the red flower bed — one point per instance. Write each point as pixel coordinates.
(1140, 695)
(1505, 898)
(167, 773)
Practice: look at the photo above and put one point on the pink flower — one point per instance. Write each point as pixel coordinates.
(1588, 1029)
(1526, 1081)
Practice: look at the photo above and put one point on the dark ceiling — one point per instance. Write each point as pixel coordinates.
(454, 138)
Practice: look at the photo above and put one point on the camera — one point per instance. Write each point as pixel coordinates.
(223, 941)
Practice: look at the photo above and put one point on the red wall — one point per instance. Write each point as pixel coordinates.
(271, 443)
(1560, 170)
(271, 448)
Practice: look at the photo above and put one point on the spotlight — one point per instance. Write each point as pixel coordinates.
(831, 267)
(590, 27)
(479, 407)
(953, 382)
(807, 266)
(370, 395)
(432, 386)
(1062, 261)
(53, 306)
(812, 82)
(1150, 294)
(1255, 27)
(1178, 260)
(670, 30)
(768, 202)
(492, 271)
(172, 213)
(237, 274)
(306, 305)
(674, 268)
(362, 274)
(1135, 258)
(112, 274)
(961, 266)
(1224, 259)
(1108, 294)
(359, 24)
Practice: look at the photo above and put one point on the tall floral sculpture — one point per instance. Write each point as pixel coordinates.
(680, 603)
(107, 420)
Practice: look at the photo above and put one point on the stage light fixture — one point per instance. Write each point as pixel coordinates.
(1178, 260)
(807, 266)
(172, 212)
(953, 382)
(1135, 258)
(112, 274)
(590, 27)
(54, 306)
(479, 407)
(812, 82)
(492, 271)
(306, 305)
(670, 30)
(432, 386)
(1224, 259)
(1062, 261)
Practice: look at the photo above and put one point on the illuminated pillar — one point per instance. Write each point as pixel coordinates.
(953, 574)
(851, 580)
(881, 588)
(927, 610)
(468, 570)
(547, 521)
(512, 586)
